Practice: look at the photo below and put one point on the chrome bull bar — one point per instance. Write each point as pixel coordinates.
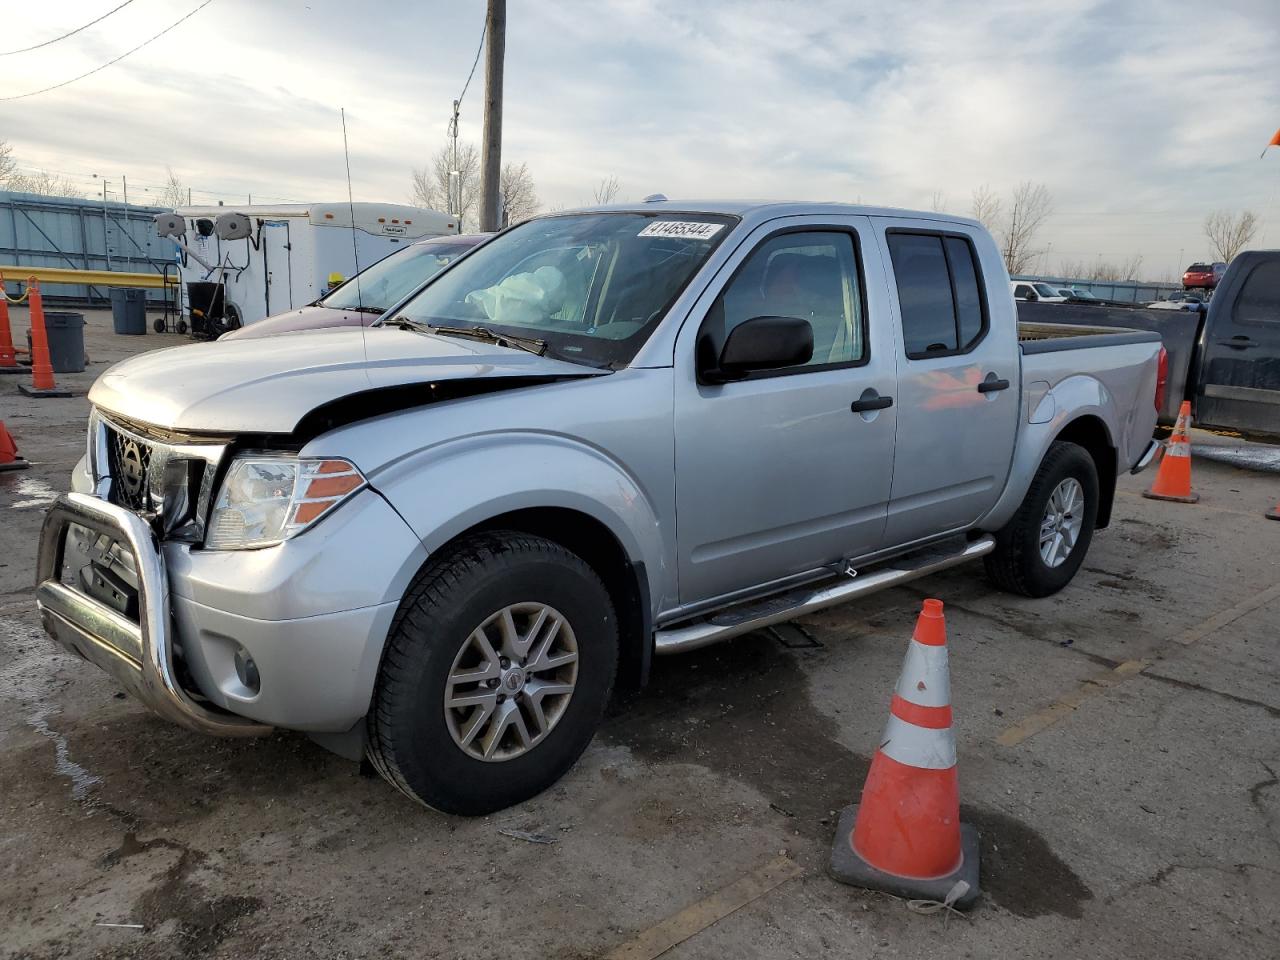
(139, 655)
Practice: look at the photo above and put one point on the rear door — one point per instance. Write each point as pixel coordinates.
(1240, 379)
(958, 378)
(787, 471)
(276, 253)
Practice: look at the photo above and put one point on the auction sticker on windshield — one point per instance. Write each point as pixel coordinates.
(681, 228)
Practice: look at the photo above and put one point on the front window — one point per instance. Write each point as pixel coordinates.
(1046, 291)
(592, 286)
(394, 277)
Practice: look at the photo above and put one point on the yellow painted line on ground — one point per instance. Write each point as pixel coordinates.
(695, 918)
(1230, 615)
(1065, 706)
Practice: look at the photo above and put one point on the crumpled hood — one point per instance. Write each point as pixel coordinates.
(267, 385)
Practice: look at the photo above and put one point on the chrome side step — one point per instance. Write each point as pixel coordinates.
(744, 618)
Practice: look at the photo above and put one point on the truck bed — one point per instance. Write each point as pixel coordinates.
(1054, 337)
(1179, 330)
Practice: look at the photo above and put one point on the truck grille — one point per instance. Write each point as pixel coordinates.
(129, 464)
(167, 478)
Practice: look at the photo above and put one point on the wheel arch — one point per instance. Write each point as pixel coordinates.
(588, 537)
(1091, 433)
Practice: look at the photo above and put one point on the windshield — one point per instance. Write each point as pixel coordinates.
(1046, 291)
(593, 286)
(393, 278)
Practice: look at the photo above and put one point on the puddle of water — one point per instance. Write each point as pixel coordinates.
(82, 781)
(36, 492)
(17, 679)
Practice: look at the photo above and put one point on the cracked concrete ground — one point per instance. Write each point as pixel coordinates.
(1118, 752)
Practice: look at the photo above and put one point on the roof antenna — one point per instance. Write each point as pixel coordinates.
(351, 209)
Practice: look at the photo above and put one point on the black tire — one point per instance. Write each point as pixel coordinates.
(182, 326)
(1016, 564)
(409, 740)
(157, 326)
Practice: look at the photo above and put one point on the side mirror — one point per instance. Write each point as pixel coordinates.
(762, 343)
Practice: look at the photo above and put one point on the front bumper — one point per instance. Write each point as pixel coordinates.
(312, 614)
(139, 655)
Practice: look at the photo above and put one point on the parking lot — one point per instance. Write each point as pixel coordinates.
(1118, 745)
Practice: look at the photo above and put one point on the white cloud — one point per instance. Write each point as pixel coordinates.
(1137, 123)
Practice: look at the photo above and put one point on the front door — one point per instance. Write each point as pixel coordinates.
(958, 382)
(776, 475)
(1240, 383)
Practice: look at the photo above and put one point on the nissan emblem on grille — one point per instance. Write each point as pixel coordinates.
(132, 473)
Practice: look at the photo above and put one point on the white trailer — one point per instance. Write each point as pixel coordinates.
(239, 265)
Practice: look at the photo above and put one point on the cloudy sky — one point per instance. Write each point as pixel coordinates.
(1139, 115)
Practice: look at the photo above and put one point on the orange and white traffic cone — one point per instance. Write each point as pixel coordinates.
(905, 837)
(8, 356)
(1173, 480)
(42, 383)
(9, 459)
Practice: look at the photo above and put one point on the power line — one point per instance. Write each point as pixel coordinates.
(9, 53)
(23, 96)
(479, 48)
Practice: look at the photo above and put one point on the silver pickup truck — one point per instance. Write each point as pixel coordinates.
(599, 436)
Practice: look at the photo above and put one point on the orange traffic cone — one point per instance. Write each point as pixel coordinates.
(1173, 480)
(42, 384)
(9, 459)
(906, 837)
(8, 357)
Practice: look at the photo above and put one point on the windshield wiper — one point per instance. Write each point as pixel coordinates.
(484, 334)
(364, 309)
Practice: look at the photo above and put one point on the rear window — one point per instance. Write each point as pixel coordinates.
(939, 293)
(1199, 268)
(1259, 301)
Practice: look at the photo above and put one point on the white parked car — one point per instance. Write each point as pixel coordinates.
(1036, 290)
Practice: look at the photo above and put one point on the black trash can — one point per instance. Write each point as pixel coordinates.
(129, 310)
(65, 332)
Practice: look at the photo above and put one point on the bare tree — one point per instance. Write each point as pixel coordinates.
(1031, 206)
(1108, 271)
(44, 183)
(1230, 233)
(175, 192)
(448, 184)
(7, 164)
(607, 190)
(986, 208)
(938, 203)
(1075, 270)
(519, 196)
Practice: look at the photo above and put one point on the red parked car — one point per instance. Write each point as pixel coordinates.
(380, 287)
(1203, 276)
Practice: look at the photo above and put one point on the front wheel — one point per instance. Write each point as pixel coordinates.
(496, 674)
(1040, 549)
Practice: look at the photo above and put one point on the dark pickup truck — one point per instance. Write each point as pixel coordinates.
(1223, 357)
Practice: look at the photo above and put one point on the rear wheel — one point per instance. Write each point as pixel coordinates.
(496, 674)
(1040, 549)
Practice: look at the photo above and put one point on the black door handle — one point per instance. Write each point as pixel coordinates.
(870, 400)
(992, 384)
(1239, 343)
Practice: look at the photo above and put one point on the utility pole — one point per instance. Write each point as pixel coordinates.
(491, 162)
